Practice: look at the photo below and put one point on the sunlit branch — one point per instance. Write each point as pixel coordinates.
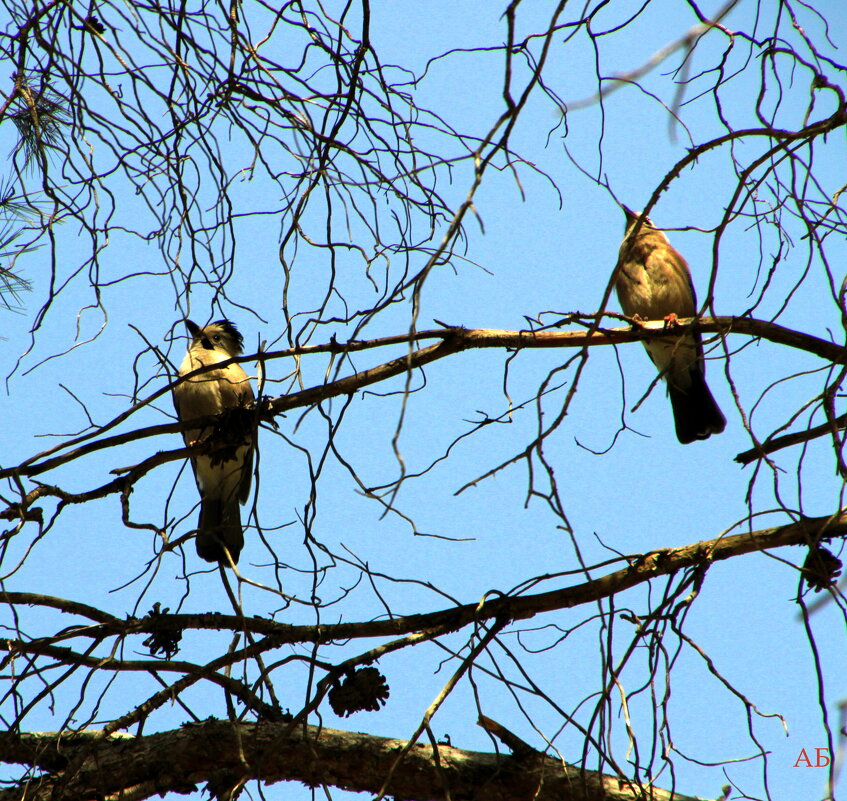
(450, 341)
(175, 761)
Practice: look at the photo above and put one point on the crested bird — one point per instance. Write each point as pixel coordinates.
(223, 476)
(654, 283)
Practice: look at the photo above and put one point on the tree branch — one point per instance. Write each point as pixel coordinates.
(221, 753)
(642, 568)
(788, 440)
(452, 340)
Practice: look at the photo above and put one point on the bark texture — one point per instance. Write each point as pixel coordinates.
(224, 755)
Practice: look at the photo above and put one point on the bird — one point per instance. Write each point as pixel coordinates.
(653, 282)
(223, 476)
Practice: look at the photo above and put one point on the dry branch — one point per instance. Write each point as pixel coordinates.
(451, 341)
(642, 568)
(223, 754)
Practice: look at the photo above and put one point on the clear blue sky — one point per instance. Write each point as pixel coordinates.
(543, 251)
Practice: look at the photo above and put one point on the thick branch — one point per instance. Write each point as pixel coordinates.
(452, 340)
(642, 568)
(224, 753)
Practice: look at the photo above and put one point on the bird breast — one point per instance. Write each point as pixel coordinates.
(212, 392)
(654, 280)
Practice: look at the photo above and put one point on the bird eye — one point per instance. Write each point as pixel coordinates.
(217, 337)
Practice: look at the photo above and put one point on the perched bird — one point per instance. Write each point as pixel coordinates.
(654, 283)
(223, 476)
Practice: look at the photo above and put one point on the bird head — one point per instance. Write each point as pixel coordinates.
(632, 218)
(219, 335)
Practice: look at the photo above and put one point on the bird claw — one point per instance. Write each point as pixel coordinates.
(671, 320)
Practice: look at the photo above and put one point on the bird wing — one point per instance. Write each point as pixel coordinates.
(236, 391)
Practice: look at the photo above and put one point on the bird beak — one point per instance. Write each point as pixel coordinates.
(631, 216)
(193, 328)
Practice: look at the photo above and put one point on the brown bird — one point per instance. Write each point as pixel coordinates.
(223, 477)
(654, 283)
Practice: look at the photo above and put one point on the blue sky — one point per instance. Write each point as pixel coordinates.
(540, 249)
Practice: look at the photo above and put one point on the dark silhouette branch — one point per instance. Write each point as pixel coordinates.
(788, 440)
(641, 568)
(451, 341)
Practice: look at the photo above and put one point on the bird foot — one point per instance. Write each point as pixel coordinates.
(671, 320)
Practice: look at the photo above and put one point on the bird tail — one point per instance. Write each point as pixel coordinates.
(219, 526)
(696, 413)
